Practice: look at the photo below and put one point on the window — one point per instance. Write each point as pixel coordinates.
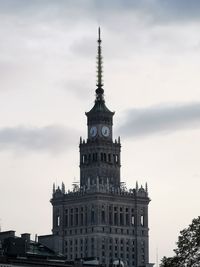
(84, 159)
(94, 157)
(58, 220)
(142, 220)
(92, 215)
(110, 215)
(66, 217)
(121, 218)
(115, 216)
(117, 158)
(127, 217)
(133, 220)
(76, 217)
(103, 214)
(71, 217)
(81, 219)
(86, 216)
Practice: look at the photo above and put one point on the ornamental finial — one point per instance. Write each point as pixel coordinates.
(99, 90)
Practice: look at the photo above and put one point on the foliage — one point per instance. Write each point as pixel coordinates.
(187, 253)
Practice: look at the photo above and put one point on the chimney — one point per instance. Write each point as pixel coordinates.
(26, 237)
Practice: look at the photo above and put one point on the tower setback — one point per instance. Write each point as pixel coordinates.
(100, 218)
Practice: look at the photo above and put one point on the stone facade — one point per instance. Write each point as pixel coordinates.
(100, 218)
(103, 223)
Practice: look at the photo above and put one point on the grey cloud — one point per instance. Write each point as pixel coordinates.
(162, 119)
(159, 9)
(53, 138)
(80, 88)
(85, 46)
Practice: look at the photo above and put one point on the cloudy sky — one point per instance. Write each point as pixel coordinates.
(151, 52)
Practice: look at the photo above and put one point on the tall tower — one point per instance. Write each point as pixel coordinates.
(100, 219)
(99, 155)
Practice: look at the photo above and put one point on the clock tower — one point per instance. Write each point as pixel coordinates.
(100, 219)
(99, 155)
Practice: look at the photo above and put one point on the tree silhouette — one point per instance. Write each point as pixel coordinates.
(187, 253)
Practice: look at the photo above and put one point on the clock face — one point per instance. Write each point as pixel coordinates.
(93, 131)
(105, 131)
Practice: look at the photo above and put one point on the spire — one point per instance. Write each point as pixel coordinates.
(136, 187)
(99, 90)
(146, 188)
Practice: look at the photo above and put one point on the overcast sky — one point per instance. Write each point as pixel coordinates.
(151, 51)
